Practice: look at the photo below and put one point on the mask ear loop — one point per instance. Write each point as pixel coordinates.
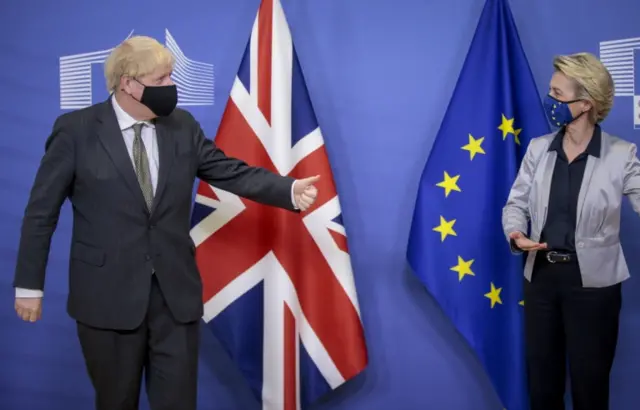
(583, 99)
(583, 112)
(565, 102)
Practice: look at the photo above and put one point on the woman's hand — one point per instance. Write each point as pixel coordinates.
(525, 243)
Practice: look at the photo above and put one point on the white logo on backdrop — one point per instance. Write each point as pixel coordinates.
(620, 58)
(195, 79)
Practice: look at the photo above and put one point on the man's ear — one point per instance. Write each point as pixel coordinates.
(126, 85)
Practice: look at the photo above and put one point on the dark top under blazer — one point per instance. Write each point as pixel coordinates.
(559, 232)
(116, 241)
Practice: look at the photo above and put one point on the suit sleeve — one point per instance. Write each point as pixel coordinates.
(631, 179)
(235, 176)
(515, 214)
(51, 187)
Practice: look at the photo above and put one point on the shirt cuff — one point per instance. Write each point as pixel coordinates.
(28, 293)
(293, 197)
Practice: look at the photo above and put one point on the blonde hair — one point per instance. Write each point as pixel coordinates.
(135, 57)
(592, 82)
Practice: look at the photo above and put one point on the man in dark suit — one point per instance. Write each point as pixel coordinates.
(128, 166)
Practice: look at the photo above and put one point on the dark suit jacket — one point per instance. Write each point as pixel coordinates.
(116, 240)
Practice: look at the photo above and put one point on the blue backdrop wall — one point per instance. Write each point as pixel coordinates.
(380, 75)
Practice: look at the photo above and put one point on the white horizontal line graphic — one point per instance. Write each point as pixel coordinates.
(617, 56)
(195, 79)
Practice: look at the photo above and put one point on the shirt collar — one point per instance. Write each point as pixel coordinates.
(125, 121)
(593, 148)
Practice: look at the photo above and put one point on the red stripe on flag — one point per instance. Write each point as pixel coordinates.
(340, 240)
(290, 365)
(265, 34)
(206, 191)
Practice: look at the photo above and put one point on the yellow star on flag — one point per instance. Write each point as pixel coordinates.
(449, 184)
(521, 303)
(463, 268)
(506, 127)
(445, 228)
(494, 295)
(516, 133)
(474, 146)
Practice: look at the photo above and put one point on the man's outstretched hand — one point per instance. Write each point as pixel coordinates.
(305, 193)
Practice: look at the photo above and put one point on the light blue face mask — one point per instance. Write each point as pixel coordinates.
(558, 112)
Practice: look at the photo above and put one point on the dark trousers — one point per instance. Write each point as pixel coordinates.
(564, 321)
(166, 350)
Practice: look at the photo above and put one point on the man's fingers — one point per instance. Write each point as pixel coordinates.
(304, 201)
(35, 315)
(24, 314)
(311, 192)
(304, 205)
(29, 310)
(310, 181)
(305, 187)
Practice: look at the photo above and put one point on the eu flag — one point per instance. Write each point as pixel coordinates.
(456, 245)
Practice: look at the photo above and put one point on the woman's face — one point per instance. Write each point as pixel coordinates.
(562, 88)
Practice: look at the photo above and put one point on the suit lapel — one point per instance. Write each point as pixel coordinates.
(111, 138)
(166, 152)
(592, 166)
(584, 187)
(545, 188)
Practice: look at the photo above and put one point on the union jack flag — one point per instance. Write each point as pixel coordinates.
(278, 286)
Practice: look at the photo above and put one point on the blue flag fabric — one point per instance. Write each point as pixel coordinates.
(456, 245)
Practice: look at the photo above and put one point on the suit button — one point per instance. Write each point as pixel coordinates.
(152, 226)
(147, 257)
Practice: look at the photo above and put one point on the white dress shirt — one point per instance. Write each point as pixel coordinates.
(125, 121)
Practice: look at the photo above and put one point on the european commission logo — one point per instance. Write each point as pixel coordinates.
(622, 59)
(80, 73)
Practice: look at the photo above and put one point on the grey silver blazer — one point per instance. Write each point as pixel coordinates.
(606, 180)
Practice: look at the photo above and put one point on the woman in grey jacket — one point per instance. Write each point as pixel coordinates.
(569, 190)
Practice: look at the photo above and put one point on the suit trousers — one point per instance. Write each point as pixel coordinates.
(564, 320)
(166, 350)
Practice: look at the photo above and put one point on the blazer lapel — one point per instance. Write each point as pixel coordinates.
(545, 188)
(111, 137)
(584, 187)
(166, 151)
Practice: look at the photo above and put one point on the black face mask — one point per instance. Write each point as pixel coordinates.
(161, 100)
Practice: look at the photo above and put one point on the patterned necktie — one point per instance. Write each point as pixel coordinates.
(141, 165)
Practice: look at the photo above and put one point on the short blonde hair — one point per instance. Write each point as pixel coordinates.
(135, 57)
(592, 81)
